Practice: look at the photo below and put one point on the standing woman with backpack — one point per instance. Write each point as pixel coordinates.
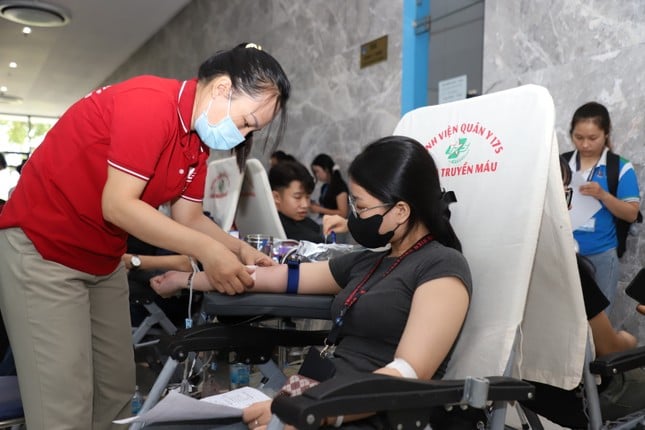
(609, 179)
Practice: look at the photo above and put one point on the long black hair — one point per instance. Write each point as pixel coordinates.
(596, 113)
(398, 168)
(327, 163)
(253, 72)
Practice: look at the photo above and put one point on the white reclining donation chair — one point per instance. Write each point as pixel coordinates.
(241, 199)
(499, 155)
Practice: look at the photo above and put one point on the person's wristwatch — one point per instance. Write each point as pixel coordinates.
(135, 262)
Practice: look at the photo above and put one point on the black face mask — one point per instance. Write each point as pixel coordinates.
(365, 230)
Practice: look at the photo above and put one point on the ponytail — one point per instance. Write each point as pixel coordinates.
(398, 168)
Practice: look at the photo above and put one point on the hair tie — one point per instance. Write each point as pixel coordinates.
(445, 199)
(253, 45)
(448, 196)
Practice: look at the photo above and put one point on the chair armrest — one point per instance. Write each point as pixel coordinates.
(372, 393)
(253, 344)
(141, 293)
(619, 362)
(275, 305)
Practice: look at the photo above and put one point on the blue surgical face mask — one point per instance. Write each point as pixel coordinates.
(222, 136)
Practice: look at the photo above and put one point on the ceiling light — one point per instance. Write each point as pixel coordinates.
(34, 12)
(9, 100)
(13, 65)
(3, 89)
(26, 30)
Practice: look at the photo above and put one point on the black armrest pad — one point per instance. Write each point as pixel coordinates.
(275, 305)
(141, 293)
(372, 392)
(259, 340)
(231, 338)
(618, 362)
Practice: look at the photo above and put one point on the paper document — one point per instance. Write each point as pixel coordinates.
(582, 207)
(179, 407)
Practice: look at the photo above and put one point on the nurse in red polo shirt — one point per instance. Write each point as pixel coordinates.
(99, 175)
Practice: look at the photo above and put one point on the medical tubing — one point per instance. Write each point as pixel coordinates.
(191, 276)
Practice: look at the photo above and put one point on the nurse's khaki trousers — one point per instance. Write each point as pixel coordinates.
(71, 339)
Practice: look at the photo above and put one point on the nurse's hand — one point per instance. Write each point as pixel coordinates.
(225, 273)
(251, 256)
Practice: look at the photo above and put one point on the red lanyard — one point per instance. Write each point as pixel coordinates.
(361, 289)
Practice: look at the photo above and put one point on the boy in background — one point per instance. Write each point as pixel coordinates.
(291, 186)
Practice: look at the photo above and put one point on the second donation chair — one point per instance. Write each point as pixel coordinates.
(222, 191)
(256, 211)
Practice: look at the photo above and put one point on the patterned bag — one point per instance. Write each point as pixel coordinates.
(296, 385)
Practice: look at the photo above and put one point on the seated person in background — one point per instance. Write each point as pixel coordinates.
(291, 186)
(566, 407)
(413, 297)
(333, 191)
(280, 156)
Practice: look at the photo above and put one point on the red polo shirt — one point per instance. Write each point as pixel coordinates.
(141, 127)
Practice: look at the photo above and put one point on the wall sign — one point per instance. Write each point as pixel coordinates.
(453, 89)
(374, 52)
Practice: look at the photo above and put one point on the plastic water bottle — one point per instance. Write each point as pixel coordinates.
(239, 375)
(137, 401)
